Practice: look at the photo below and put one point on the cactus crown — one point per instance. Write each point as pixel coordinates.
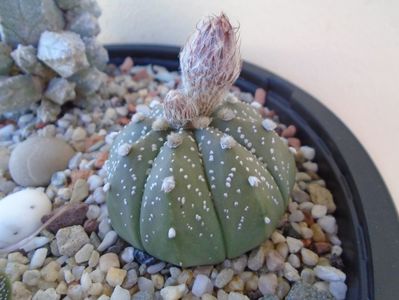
(5, 288)
(210, 63)
(216, 184)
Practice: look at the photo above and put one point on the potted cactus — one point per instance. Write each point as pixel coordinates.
(201, 177)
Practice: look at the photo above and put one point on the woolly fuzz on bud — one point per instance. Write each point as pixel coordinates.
(178, 109)
(210, 63)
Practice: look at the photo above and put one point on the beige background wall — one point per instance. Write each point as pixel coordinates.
(344, 52)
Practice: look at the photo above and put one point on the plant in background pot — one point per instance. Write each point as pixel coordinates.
(201, 177)
(49, 53)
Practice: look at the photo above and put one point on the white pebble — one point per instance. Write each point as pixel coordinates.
(294, 260)
(127, 255)
(319, 211)
(104, 227)
(336, 250)
(294, 245)
(35, 243)
(155, 268)
(120, 294)
(309, 257)
(338, 289)
(277, 237)
(78, 134)
(296, 216)
(38, 258)
(290, 272)
(268, 283)
(308, 152)
(84, 253)
(202, 285)
(310, 166)
(93, 212)
(85, 281)
(94, 182)
(328, 224)
(329, 273)
(146, 285)
(109, 239)
(173, 292)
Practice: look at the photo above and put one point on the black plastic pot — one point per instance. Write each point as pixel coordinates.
(367, 219)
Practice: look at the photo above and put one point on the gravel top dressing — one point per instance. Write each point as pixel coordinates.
(80, 256)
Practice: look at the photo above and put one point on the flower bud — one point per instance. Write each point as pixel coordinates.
(210, 63)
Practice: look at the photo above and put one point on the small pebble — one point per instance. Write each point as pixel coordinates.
(202, 285)
(223, 278)
(173, 292)
(38, 258)
(290, 272)
(120, 294)
(309, 257)
(109, 239)
(108, 260)
(294, 245)
(329, 273)
(319, 211)
(308, 152)
(328, 224)
(338, 289)
(145, 285)
(155, 268)
(115, 276)
(268, 283)
(71, 239)
(83, 255)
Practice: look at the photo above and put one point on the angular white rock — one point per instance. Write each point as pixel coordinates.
(96, 54)
(20, 215)
(88, 80)
(22, 22)
(84, 24)
(64, 52)
(19, 91)
(60, 90)
(25, 58)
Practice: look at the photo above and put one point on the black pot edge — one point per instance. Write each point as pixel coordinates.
(378, 226)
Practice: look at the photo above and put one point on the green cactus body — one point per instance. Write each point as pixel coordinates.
(265, 144)
(196, 196)
(128, 175)
(5, 287)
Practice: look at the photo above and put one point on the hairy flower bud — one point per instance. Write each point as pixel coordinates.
(178, 109)
(210, 63)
